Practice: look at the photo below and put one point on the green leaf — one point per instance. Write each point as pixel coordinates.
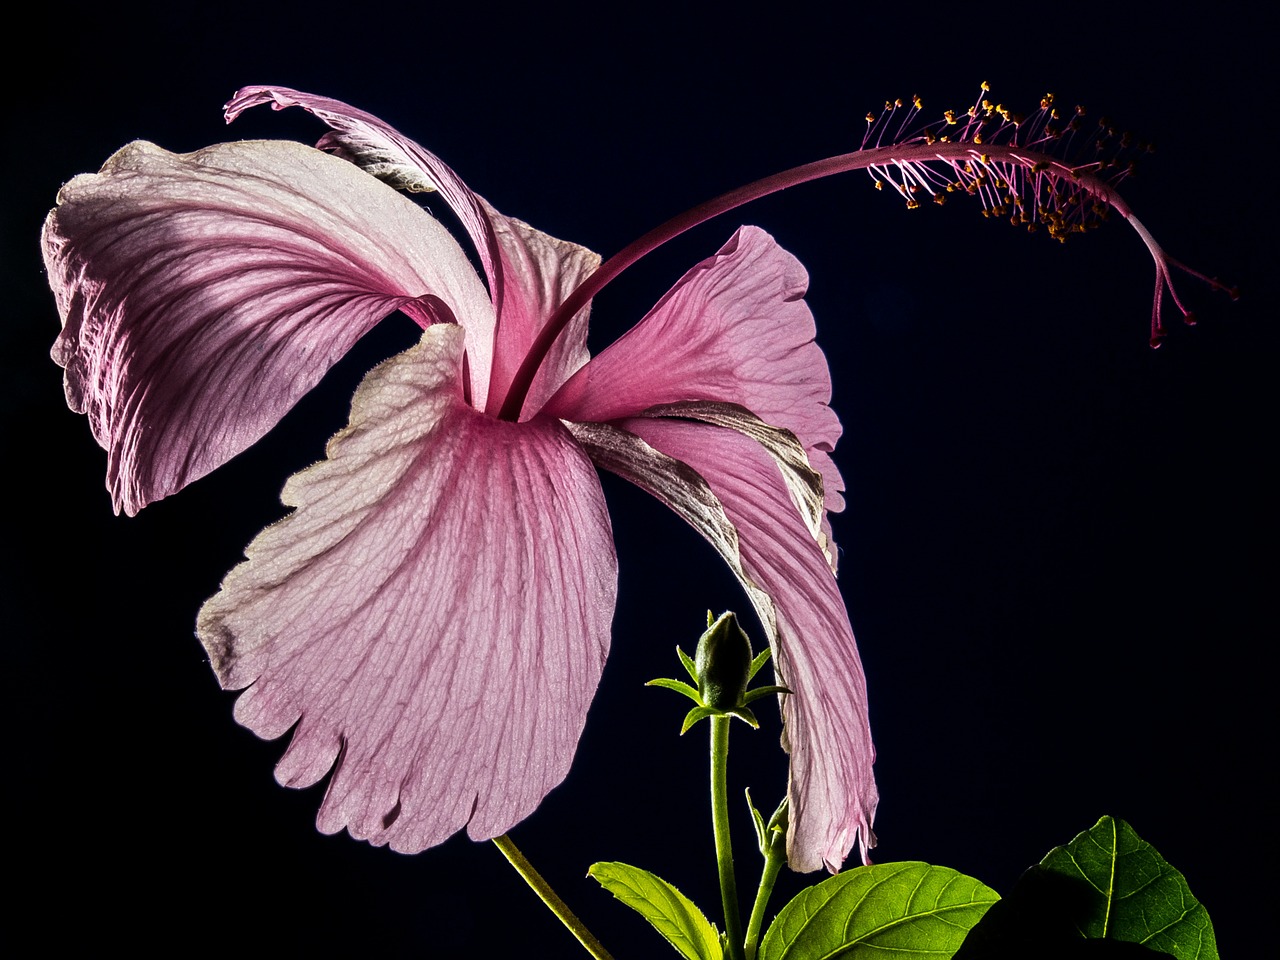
(1133, 894)
(669, 911)
(888, 910)
(1107, 893)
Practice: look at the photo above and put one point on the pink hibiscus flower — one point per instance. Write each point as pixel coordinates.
(433, 616)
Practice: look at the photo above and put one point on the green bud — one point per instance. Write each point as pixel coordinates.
(723, 664)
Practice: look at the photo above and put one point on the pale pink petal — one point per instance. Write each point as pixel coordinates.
(729, 488)
(203, 294)
(530, 273)
(383, 151)
(734, 329)
(549, 270)
(433, 617)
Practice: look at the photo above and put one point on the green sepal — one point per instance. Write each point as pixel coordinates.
(771, 837)
(668, 910)
(677, 685)
(689, 665)
(910, 911)
(758, 692)
(758, 822)
(696, 714)
(701, 713)
(759, 661)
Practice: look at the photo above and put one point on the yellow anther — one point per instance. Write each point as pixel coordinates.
(949, 116)
(986, 87)
(871, 117)
(897, 102)
(913, 204)
(917, 103)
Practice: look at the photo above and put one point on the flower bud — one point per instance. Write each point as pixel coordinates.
(723, 663)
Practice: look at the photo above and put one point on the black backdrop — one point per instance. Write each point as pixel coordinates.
(1056, 544)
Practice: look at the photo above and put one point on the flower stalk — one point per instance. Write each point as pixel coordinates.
(548, 896)
(720, 826)
(772, 840)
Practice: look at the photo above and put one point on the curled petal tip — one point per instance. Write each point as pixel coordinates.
(251, 96)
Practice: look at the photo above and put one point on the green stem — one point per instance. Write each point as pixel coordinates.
(720, 824)
(773, 862)
(550, 898)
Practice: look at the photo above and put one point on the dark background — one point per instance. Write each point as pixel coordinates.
(1057, 540)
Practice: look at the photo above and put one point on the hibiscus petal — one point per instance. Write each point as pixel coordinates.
(530, 273)
(434, 615)
(729, 489)
(383, 151)
(549, 270)
(203, 294)
(804, 484)
(734, 329)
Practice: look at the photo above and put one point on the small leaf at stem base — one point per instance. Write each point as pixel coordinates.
(668, 910)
